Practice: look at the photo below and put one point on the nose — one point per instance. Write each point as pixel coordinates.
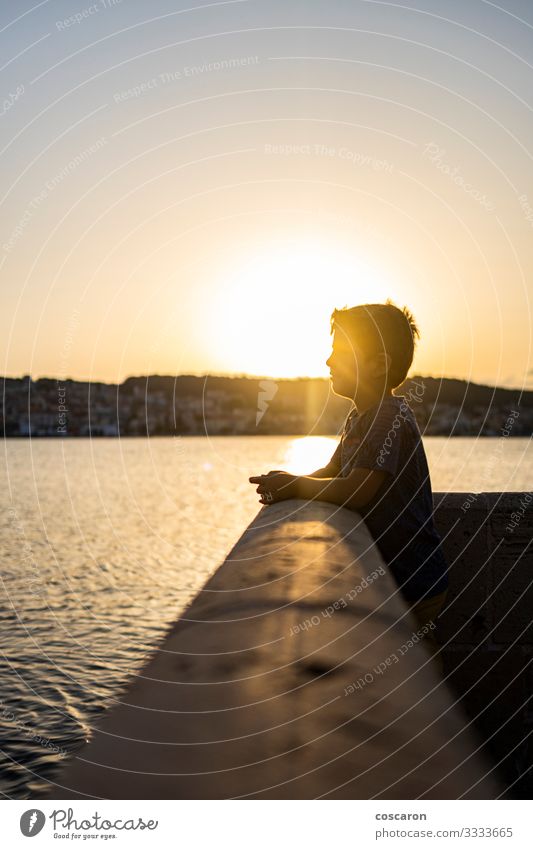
(328, 361)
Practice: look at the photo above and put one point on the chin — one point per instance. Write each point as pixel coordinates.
(337, 389)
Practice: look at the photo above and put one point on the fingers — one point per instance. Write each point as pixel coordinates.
(262, 488)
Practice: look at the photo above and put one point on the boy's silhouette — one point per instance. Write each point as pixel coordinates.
(379, 467)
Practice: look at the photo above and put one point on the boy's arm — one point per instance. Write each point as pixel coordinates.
(326, 472)
(353, 491)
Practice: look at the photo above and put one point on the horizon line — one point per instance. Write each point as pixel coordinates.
(247, 376)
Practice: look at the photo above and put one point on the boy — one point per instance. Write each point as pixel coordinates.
(379, 467)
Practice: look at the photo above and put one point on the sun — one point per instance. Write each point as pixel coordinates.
(270, 315)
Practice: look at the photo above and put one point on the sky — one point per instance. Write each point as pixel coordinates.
(193, 187)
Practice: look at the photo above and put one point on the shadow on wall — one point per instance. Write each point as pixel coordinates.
(486, 627)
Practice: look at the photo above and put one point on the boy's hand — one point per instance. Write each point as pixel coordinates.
(280, 485)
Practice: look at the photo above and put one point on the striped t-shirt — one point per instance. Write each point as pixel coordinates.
(400, 516)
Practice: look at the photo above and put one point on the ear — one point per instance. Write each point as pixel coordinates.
(382, 363)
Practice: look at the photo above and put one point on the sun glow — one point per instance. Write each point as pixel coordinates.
(272, 314)
(308, 453)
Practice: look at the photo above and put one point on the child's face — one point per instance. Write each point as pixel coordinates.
(348, 366)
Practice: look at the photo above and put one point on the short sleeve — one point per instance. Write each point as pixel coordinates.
(380, 444)
(335, 462)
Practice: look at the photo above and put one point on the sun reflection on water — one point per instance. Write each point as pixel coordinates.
(309, 453)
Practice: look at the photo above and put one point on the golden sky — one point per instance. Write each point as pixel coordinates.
(196, 191)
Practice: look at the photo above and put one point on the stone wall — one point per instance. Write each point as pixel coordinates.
(296, 673)
(486, 627)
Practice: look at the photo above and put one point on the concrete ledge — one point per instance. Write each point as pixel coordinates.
(491, 567)
(486, 628)
(244, 700)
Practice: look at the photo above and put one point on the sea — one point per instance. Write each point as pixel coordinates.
(104, 542)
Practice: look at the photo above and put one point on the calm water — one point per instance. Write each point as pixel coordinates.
(104, 542)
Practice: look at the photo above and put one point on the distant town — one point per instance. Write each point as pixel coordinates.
(219, 405)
